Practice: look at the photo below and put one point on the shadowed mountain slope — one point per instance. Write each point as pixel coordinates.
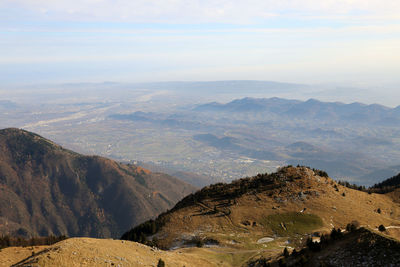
(45, 189)
(189, 177)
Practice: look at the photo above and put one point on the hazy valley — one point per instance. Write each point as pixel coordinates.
(197, 178)
(180, 127)
(199, 133)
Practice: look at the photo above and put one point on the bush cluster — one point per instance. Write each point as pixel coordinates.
(139, 233)
(381, 188)
(8, 241)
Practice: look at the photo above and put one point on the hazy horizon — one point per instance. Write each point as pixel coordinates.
(322, 92)
(337, 42)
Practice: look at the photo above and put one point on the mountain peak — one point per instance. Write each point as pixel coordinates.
(23, 145)
(12, 133)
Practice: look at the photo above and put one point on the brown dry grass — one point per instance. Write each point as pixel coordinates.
(101, 252)
(330, 205)
(12, 255)
(237, 232)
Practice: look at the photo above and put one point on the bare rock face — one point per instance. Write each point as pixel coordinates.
(45, 189)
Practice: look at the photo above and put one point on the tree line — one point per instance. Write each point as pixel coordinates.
(9, 241)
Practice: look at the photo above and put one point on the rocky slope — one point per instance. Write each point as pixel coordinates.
(356, 247)
(45, 189)
(361, 248)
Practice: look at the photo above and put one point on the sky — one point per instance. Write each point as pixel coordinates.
(352, 42)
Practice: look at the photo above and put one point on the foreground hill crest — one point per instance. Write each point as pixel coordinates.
(288, 180)
(277, 207)
(46, 189)
(362, 247)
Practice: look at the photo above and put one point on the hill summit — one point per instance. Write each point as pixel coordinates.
(46, 189)
(267, 211)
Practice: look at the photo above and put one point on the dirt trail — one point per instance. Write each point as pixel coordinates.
(201, 204)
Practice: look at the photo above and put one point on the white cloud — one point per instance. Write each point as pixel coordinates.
(192, 11)
(364, 47)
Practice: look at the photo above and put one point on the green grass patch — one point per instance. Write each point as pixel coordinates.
(291, 223)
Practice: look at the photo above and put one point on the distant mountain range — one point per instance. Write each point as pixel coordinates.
(350, 141)
(6, 104)
(310, 109)
(45, 189)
